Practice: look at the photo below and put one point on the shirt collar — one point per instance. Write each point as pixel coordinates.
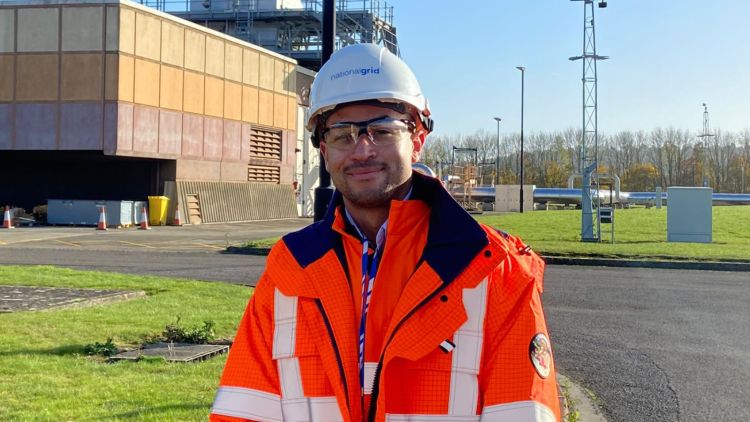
(382, 231)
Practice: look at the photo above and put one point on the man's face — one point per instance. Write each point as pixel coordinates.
(369, 175)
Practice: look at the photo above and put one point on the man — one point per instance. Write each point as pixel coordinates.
(452, 327)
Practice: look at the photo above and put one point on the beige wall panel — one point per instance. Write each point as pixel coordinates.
(112, 36)
(215, 57)
(193, 94)
(233, 62)
(250, 67)
(214, 97)
(195, 53)
(232, 101)
(233, 172)
(146, 83)
(290, 84)
(7, 30)
(172, 44)
(82, 28)
(265, 78)
(82, 77)
(38, 29)
(6, 77)
(171, 88)
(250, 104)
(111, 72)
(147, 36)
(291, 113)
(280, 110)
(36, 77)
(279, 72)
(265, 108)
(127, 30)
(126, 78)
(198, 170)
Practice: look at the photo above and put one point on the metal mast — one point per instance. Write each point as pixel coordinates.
(706, 134)
(590, 227)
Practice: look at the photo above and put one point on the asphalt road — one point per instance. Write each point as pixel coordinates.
(209, 266)
(651, 344)
(654, 345)
(183, 252)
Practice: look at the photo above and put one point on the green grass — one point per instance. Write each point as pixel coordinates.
(45, 374)
(260, 243)
(572, 414)
(640, 233)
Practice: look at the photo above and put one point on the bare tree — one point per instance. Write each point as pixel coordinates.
(720, 154)
(664, 157)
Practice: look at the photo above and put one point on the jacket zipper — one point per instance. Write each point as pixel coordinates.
(342, 374)
(376, 382)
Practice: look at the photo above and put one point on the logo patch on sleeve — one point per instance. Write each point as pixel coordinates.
(540, 354)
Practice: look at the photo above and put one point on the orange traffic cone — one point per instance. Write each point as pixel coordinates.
(144, 220)
(7, 223)
(102, 218)
(177, 219)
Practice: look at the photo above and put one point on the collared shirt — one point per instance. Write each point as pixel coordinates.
(380, 236)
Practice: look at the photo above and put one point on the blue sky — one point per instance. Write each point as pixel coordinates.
(667, 57)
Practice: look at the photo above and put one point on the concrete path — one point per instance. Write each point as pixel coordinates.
(192, 238)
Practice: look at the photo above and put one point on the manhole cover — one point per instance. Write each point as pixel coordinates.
(28, 298)
(174, 352)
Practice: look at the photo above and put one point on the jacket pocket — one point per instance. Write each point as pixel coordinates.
(418, 387)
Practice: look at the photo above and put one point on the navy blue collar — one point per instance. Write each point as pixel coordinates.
(453, 240)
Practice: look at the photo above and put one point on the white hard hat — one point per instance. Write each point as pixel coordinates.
(361, 73)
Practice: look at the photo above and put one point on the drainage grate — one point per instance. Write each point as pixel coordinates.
(174, 352)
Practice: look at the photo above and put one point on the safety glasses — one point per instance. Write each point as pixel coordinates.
(381, 131)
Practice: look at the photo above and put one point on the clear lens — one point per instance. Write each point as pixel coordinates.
(380, 131)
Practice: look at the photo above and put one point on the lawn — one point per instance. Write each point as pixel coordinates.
(639, 233)
(45, 375)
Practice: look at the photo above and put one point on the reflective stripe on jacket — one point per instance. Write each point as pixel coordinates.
(462, 344)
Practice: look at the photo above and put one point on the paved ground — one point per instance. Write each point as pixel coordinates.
(26, 298)
(654, 345)
(195, 238)
(239, 269)
(188, 251)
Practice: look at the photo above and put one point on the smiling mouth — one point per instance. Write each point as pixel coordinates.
(363, 172)
(364, 168)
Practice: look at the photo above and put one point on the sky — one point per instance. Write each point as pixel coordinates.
(666, 59)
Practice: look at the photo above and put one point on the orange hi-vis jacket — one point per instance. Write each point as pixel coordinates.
(465, 340)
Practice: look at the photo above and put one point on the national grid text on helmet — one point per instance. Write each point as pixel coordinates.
(356, 71)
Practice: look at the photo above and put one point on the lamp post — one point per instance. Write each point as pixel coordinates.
(324, 191)
(523, 71)
(497, 157)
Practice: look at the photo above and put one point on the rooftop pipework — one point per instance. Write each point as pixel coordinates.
(289, 27)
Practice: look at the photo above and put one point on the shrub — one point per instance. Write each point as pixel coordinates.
(106, 349)
(197, 335)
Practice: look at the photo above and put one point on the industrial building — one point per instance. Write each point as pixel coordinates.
(289, 27)
(120, 100)
(110, 99)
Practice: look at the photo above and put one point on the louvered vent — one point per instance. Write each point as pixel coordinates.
(193, 208)
(265, 143)
(266, 174)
